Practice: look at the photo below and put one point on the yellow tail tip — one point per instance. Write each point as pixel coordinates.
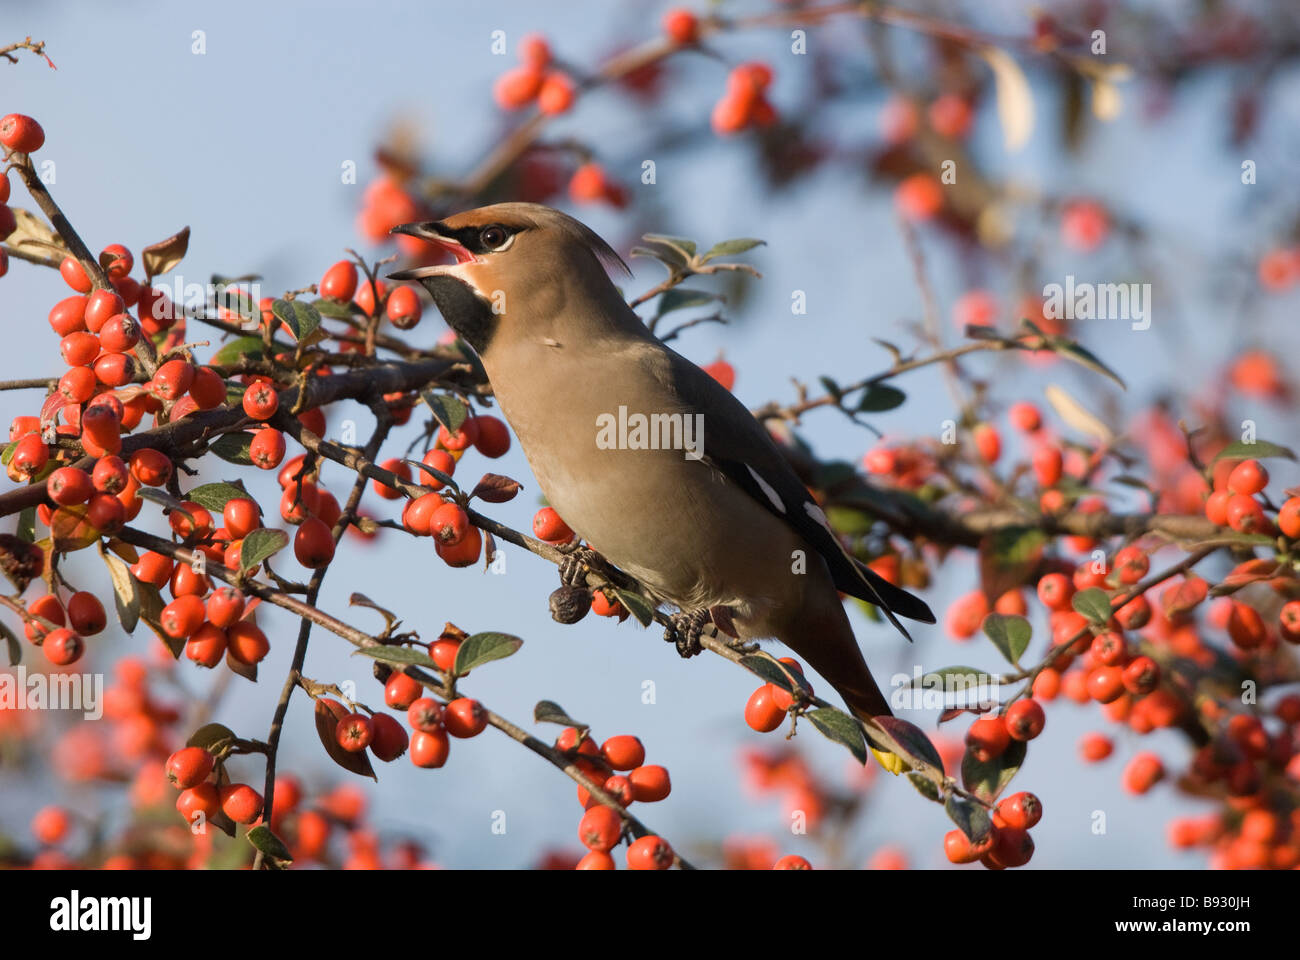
(891, 762)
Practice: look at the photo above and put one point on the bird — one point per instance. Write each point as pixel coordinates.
(701, 507)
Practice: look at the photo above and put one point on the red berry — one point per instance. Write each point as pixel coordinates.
(69, 485)
(623, 752)
(241, 517)
(247, 643)
(650, 783)
(1095, 747)
(1141, 675)
(1020, 810)
(425, 714)
(261, 399)
(201, 799)
(404, 308)
(987, 738)
(600, 829)
(649, 853)
(429, 748)
(21, 133)
(492, 438)
(188, 767)
(86, 614)
(401, 691)
(354, 732)
(464, 718)
(1248, 477)
(339, 282)
(240, 802)
(225, 607)
(390, 739)
(448, 524)
(681, 26)
(548, 526)
(73, 273)
(313, 544)
(267, 448)
(1024, 720)
(63, 647)
(761, 712)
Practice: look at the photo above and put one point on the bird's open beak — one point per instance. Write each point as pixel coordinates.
(431, 232)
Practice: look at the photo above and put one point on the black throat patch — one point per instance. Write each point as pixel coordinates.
(463, 310)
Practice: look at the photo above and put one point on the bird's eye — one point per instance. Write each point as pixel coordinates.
(493, 237)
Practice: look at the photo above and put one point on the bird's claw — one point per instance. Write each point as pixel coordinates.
(685, 629)
(576, 562)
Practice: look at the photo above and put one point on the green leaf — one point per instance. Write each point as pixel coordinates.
(831, 387)
(548, 711)
(880, 397)
(27, 525)
(729, 248)
(773, 672)
(251, 348)
(11, 641)
(674, 259)
(680, 244)
(333, 309)
(924, 786)
(1007, 558)
(637, 605)
(988, 780)
(971, 818)
(1085, 358)
(939, 678)
(301, 317)
(1258, 450)
(8, 453)
(839, 726)
(126, 593)
(443, 478)
(404, 656)
(680, 298)
(447, 410)
(233, 448)
(480, 648)
(209, 735)
(151, 607)
(1093, 604)
(160, 497)
(260, 544)
(269, 845)
(1010, 633)
(910, 737)
(215, 496)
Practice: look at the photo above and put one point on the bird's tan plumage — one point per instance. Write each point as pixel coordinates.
(736, 528)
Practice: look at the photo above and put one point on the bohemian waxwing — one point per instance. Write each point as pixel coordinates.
(644, 454)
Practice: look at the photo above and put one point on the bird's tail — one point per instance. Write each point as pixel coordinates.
(826, 643)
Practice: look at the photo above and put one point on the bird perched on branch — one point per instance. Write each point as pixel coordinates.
(700, 505)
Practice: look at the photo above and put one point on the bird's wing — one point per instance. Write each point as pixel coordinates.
(740, 447)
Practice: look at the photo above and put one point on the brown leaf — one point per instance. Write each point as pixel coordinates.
(494, 488)
(328, 714)
(160, 257)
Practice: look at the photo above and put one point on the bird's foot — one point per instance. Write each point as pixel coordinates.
(685, 629)
(576, 562)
